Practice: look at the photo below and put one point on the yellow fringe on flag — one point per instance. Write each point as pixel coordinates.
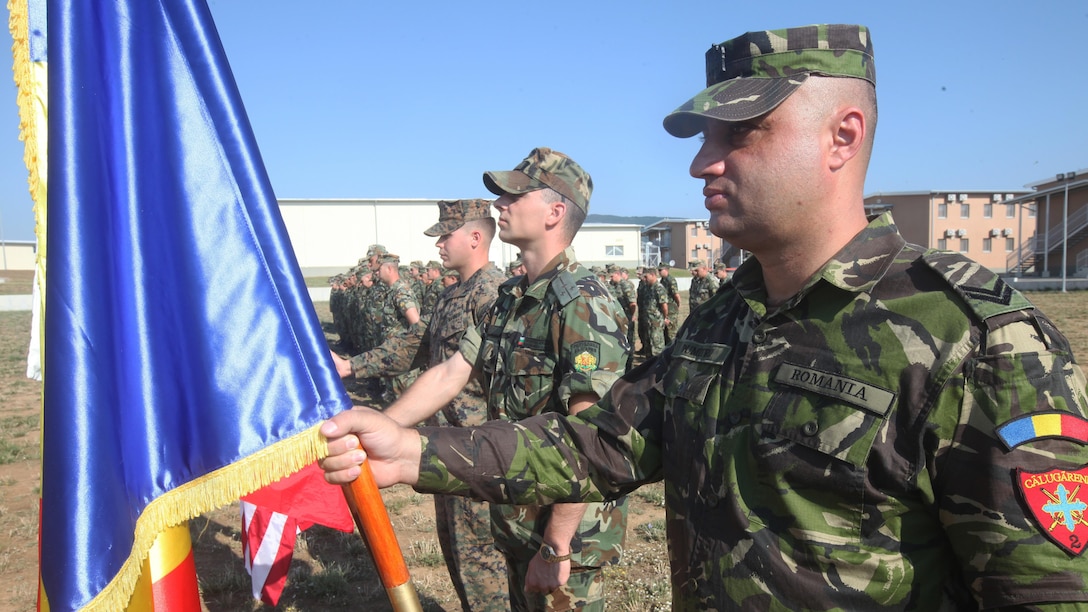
(32, 84)
(209, 492)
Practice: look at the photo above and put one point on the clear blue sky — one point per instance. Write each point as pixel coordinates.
(416, 99)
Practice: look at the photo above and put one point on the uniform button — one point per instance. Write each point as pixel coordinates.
(759, 336)
(810, 428)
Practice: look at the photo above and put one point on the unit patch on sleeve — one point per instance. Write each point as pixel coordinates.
(585, 355)
(1058, 500)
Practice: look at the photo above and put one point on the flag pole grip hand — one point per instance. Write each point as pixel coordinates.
(373, 522)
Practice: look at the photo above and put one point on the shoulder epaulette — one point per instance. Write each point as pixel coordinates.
(565, 287)
(983, 291)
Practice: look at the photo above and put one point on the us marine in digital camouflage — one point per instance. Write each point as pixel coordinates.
(851, 423)
(464, 230)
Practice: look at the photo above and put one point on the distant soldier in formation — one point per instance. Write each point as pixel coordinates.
(624, 293)
(653, 313)
(640, 299)
(703, 285)
(450, 277)
(672, 291)
(429, 276)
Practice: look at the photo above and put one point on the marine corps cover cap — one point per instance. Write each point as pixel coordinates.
(452, 214)
(752, 74)
(544, 168)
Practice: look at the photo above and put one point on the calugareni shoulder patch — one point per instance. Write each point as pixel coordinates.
(585, 355)
(1056, 499)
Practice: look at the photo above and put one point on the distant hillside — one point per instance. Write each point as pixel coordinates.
(643, 221)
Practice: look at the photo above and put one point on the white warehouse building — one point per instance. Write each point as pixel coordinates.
(331, 235)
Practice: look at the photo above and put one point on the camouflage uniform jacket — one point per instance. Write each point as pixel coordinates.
(398, 300)
(542, 343)
(460, 307)
(653, 298)
(431, 291)
(624, 294)
(700, 291)
(841, 451)
(671, 291)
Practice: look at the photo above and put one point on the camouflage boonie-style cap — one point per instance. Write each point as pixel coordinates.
(452, 214)
(752, 74)
(544, 168)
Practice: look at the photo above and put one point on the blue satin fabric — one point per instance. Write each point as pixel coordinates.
(179, 334)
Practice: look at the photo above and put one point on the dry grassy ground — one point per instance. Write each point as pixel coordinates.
(332, 571)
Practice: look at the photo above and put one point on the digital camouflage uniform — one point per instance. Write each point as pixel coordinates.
(542, 343)
(399, 299)
(477, 568)
(875, 443)
(429, 299)
(700, 291)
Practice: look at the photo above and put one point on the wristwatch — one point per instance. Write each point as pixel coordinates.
(548, 554)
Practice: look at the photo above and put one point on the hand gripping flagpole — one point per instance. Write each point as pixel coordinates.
(372, 519)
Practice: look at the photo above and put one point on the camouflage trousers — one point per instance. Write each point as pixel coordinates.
(477, 568)
(584, 590)
(669, 331)
(654, 343)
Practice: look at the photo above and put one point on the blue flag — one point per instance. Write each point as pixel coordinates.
(184, 364)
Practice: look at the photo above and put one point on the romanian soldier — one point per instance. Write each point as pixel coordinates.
(856, 422)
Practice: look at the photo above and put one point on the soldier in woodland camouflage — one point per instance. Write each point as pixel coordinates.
(624, 294)
(703, 285)
(653, 312)
(852, 423)
(672, 292)
(554, 342)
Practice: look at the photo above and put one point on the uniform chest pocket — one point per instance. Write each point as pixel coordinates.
(531, 372)
(810, 455)
(696, 429)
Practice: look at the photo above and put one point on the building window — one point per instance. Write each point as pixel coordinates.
(988, 210)
(695, 231)
(965, 211)
(613, 251)
(942, 211)
(1031, 209)
(707, 230)
(1010, 245)
(987, 245)
(1010, 211)
(965, 245)
(942, 244)
(695, 254)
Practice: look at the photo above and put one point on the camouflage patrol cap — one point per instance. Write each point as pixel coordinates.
(544, 168)
(374, 249)
(434, 265)
(753, 73)
(417, 263)
(611, 267)
(695, 263)
(452, 214)
(390, 258)
(720, 266)
(663, 266)
(450, 272)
